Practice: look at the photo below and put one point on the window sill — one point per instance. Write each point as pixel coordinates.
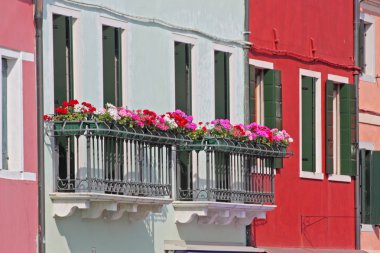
(340, 178)
(368, 78)
(17, 175)
(312, 175)
(220, 213)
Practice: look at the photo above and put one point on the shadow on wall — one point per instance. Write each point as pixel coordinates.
(100, 235)
(30, 2)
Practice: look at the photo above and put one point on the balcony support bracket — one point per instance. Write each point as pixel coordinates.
(219, 213)
(105, 206)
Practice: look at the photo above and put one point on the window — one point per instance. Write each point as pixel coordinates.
(183, 76)
(367, 48)
(222, 93)
(340, 129)
(310, 125)
(63, 58)
(183, 73)
(265, 99)
(370, 187)
(112, 65)
(64, 89)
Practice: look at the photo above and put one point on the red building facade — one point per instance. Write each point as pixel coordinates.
(305, 41)
(18, 162)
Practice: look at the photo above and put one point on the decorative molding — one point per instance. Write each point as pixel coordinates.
(17, 175)
(261, 64)
(371, 119)
(337, 79)
(220, 213)
(174, 246)
(107, 206)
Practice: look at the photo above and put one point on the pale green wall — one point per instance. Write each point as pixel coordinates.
(149, 76)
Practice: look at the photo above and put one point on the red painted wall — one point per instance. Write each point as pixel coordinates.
(309, 213)
(18, 198)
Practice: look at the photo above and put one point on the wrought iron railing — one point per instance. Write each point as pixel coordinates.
(223, 170)
(99, 157)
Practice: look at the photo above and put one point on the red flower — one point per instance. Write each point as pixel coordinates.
(73, 102)
(47, 117)
(60, 110)
(204, 128)
(65, 104)
(200, 123)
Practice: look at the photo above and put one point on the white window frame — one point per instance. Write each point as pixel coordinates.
(15, 94)
(336, 176)
(176, 37)
(262, 65)
(105, 21)
(317, 175)
(369, 73)
(232, 82)
(49, 81)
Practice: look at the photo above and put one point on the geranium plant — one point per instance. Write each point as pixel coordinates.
(72, 111)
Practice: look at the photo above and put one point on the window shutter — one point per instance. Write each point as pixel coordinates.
(347, 130)
(375, 188)
(329, 127)
(308, 124)
(109, 65)
(4, 107)
(252, 95)
(69, 36)
(273, 104)
(361, 45)
(119, 82)
(365, 165)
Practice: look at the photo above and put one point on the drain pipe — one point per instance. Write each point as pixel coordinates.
(356, 83)
(38, 18)
(246, 61)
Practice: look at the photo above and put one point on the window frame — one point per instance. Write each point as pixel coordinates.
(317, 175)
(261, 65)
(337, 177)
(369, 75)
(232, 77)
(105, 21)
(16, 169)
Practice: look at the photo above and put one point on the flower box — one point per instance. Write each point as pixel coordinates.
(67, 128)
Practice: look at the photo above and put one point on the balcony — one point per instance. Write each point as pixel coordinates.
(107, 170)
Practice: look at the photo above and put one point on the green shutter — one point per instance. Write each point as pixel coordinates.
(365, 165)
(70, 47)
(308, 124)
(119, 83)
(272, 99)
(252, 95)
(273, 103)
(182, 69)
(375, 188)
(222, 96)
(347, 130)
(109, 68)
(329, 127)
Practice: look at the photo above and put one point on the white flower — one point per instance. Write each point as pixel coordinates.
(170, 122)
(78, 108)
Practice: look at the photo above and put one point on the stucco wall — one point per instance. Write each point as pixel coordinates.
(18, 198)
(149, 83)
(310, 213)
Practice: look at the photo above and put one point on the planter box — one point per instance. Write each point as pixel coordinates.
(67, 128)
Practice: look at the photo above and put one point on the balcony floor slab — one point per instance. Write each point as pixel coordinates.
(220, 213)
(107, 206)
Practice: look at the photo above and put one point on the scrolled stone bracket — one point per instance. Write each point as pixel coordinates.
(106, 206)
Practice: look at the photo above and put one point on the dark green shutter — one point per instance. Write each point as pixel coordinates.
(182, 59)
(272, 99)
(365, 165)
(308, 124)
(63, 59)
(329, 127)
(362, 45)
(273, 103)
(119, 83)
(109, 68)
(222, 94)
(375, 188)
(347, 130)
(252, 94)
